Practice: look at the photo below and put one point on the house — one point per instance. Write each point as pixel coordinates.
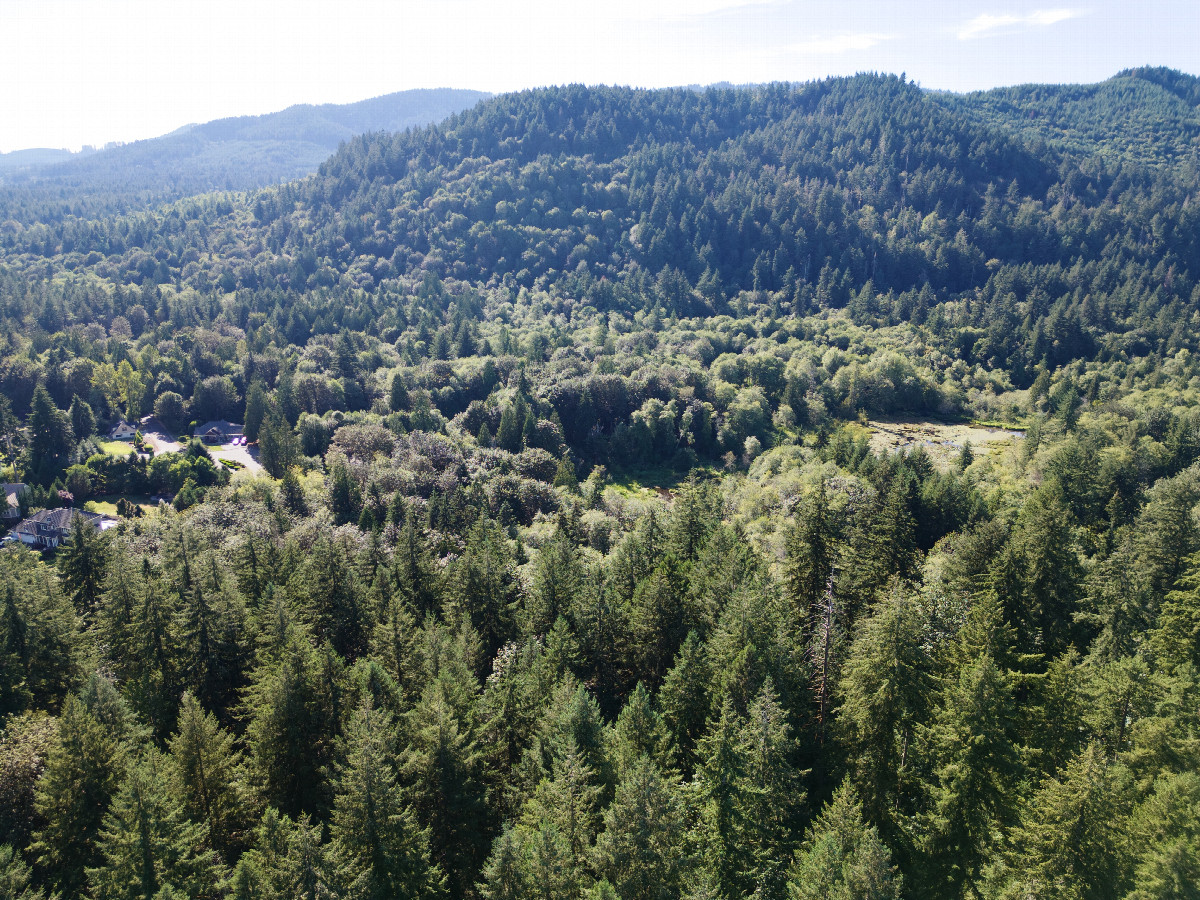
(50, 527)
(123, 431)
(218, 432)
(11, 510)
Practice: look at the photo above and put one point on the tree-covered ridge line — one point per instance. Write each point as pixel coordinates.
(233, 154)
(446, 646)
(1147, 116)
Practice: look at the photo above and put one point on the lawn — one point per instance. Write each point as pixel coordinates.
(115, 448)
(107, 505)
(641, 482)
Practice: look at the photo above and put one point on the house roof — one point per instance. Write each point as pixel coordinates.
(218, 427)
(12, 493)
(60, 520)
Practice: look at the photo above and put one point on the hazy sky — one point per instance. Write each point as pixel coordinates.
(76, 72)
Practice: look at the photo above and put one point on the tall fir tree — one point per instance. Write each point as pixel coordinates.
(148, 847)
(83, 771)
(842, 857)
(206, 776)
(639, 852)
(376, 845)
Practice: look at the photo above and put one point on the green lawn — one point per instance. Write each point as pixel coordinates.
(115, 448)
(107, 505)
(649, 480)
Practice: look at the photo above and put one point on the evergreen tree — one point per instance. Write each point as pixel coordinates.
(205, 775)
(211, 639)
(775, 796)
(1165, 838)
(328, 588)
(564, 476)
(287, 860)
(40, 643)
(639, 850)
(278, 446)
(977, 767)
(51, 440)
(83, 420)
(503, 873)
(842, 857)
(810, 554)
(568, 802)
(725, 833)
(148, 846)
(697, 508)
(152, 686)
(256, 410)
(442, 767)
(292, 722)
(557, 579)
(639, 732)
(398, 398)
(508, 434)
(376, 845)
(657, 620)
(82, 565)
(394, 644)
(1176, 639)
(15, 877)
(1039, 575)
(484, 586)
(884, 689)
(83, 772)
(685, 702)
(413, 569)
(1071, 840)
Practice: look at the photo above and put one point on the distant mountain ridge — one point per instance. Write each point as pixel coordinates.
(239, 153)
(1145, 115)
(32, 158)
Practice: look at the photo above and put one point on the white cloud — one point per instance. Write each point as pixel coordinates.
(986, 24)
(838, 43)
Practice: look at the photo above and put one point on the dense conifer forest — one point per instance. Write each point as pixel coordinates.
(568, 563)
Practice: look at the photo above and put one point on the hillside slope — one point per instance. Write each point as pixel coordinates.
(1147, 116)
(233, 154)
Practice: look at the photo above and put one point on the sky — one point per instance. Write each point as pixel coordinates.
(76, 72)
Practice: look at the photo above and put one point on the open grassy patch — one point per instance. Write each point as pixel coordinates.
(643, 482)
(943, 441)
(107, 505)
(115, 448)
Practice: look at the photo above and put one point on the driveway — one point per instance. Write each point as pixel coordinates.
(247, 456)
(158, 437)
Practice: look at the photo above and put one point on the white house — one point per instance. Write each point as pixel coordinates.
(50, 527)
(123, 431)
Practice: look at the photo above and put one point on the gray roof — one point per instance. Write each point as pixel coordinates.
(220, 426)
(12, 493)
(60, 520)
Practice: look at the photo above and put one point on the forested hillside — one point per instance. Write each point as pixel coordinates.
(1147, 115)
(235, 154)
(570, 570)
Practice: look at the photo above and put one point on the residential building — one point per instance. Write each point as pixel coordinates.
(11, 510)
(220, 432)
(50, 527)
(123, 431)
